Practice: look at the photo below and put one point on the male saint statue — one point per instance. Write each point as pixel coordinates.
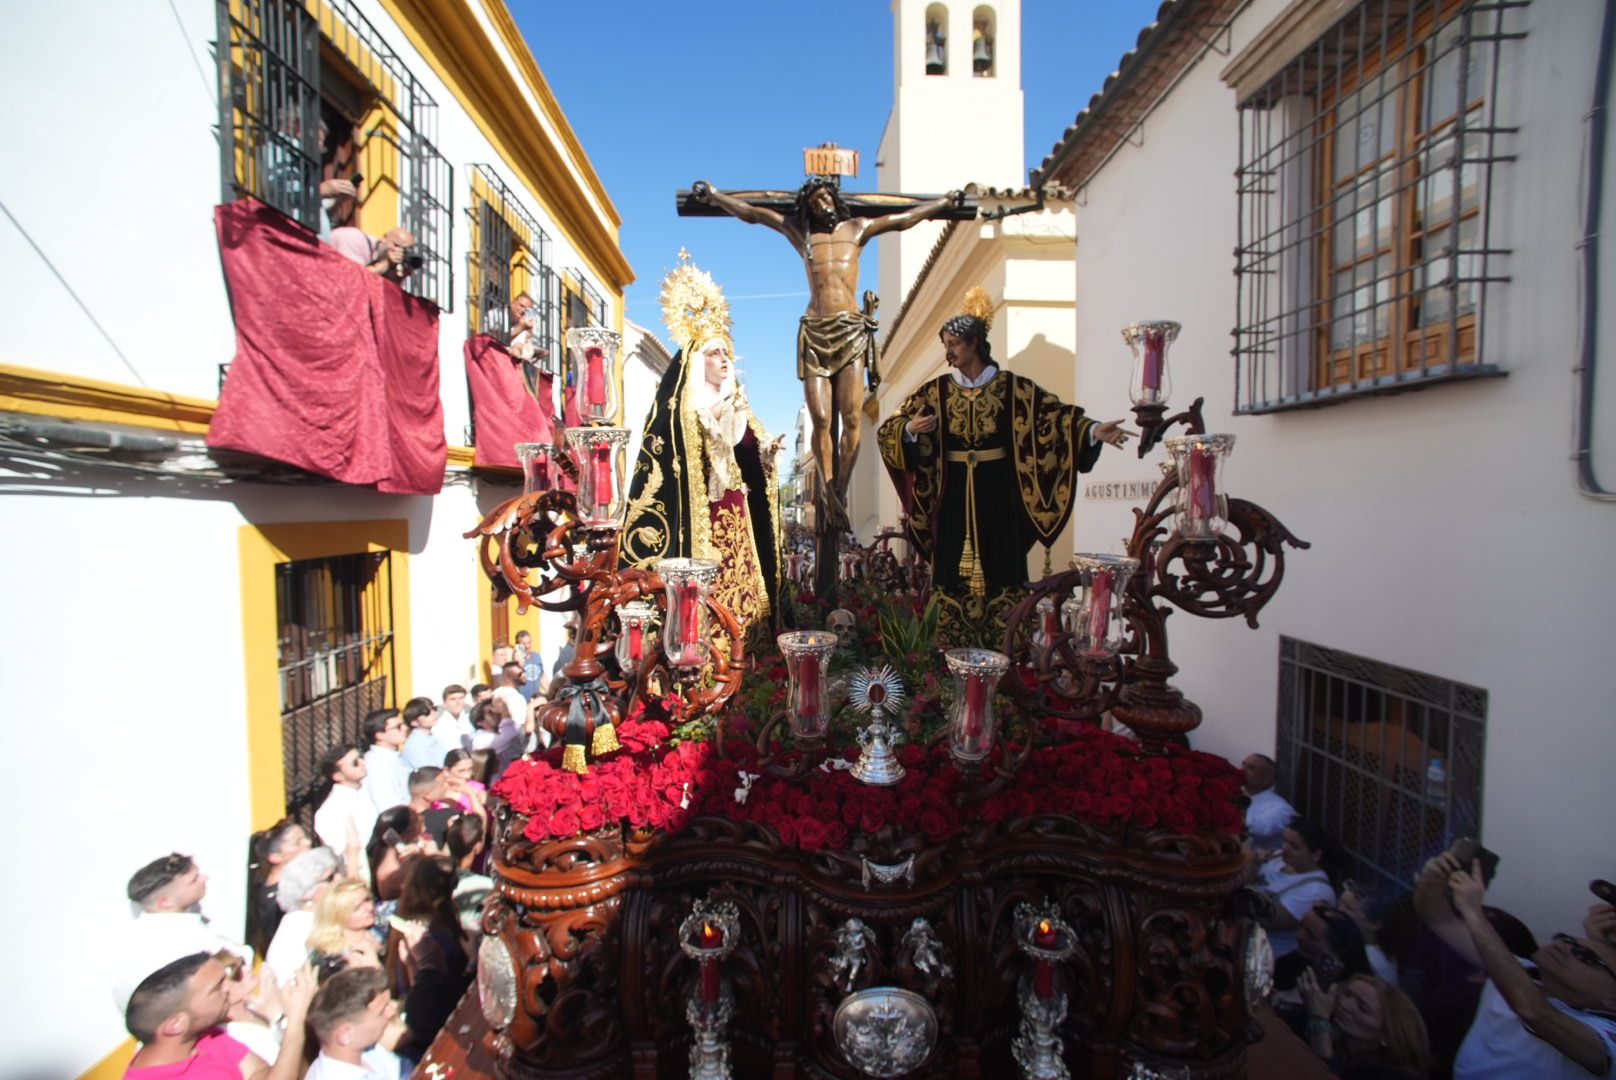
(986, 465)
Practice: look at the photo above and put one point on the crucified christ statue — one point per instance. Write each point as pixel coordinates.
(835, 340)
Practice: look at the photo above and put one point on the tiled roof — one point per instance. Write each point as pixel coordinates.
(1183, 30)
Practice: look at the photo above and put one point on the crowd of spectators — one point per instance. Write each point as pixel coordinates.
(361, 933)
(1428, 982)
(367, 929)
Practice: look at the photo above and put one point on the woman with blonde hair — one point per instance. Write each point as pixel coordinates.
(343, 920)
(1366, 1029)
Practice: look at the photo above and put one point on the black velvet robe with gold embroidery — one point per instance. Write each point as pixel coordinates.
(671, 512)
(1008, 450)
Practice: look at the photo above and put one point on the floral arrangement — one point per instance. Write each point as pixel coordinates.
(1091, 776)
(662, 778)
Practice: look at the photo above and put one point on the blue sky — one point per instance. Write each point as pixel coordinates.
(662, 94)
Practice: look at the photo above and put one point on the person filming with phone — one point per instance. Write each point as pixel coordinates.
(1551, 1016)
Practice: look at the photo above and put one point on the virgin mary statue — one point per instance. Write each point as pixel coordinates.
(704, 480)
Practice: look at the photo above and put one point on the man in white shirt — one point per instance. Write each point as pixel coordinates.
(1553, 1016)
(510, 692)
(387, 778)
(170, 925)
(1268, 813)
(350, 1016)
(347, 812)
(453, 725)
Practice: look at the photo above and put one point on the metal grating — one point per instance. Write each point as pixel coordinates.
(1364, 191)
(503, 235)
(269, 55)
(335, 627)
(1355, 737)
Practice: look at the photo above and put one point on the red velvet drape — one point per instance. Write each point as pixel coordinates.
(502, 410)
(336, 370)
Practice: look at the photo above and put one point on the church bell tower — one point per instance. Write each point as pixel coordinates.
(956, 117)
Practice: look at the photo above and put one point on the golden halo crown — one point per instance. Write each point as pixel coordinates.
(693, 306)
(978, 304)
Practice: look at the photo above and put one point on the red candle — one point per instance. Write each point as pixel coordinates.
(1049, 624)
(689, 598)
(975, 700)
(1203, 505)
(711, 938)
(808, 686)
(1155, 342)
(1043, 972)
(1100, 583)
(595, 380)
(541, 472)
(634, 640)
(603, 476)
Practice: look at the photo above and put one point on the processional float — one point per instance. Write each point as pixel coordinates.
(1025, 893)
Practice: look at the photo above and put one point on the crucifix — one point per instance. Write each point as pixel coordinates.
(836, 338)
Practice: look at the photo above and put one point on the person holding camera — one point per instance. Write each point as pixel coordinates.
(1551, 1016)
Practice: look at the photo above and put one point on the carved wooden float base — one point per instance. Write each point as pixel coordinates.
(589, 929)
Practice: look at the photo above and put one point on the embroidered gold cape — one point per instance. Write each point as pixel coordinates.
(995, 477)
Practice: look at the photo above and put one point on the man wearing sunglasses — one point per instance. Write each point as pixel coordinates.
(1552, 1016)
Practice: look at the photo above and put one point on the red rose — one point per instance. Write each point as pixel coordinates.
(564, 822)
(836, 834)
(787, 828)
(912, 755)
(1121, 806)
(1144, 815)
(810, 834)
(935, 826)
(1180, 820)
(591, 817)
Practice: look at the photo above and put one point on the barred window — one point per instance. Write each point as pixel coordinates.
(1366, 168)
(335, 622)
(289, 67)
(585, 306)
(508, 254)
(1387, 760)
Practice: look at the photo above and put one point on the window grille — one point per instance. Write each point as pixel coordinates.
(335, 631)
(1367, 166)
(270, 54)
(585, 305)
(506, 256)
(1356, 742)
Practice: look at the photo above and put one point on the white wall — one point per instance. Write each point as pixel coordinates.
(131, 227)
(1447, 536)
(124, 647)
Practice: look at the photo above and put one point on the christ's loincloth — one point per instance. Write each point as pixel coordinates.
(828, 343)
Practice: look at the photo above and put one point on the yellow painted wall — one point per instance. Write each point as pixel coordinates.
(262, 547)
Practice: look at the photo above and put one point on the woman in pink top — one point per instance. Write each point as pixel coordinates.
(469, 795)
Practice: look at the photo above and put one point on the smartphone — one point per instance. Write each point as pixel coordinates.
(394, 840)
(1603, 889)
(1467, 850)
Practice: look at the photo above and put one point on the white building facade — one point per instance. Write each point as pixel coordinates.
(161, 588)
(1281, 178)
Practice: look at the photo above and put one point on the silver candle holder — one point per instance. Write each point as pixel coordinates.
(1048, 940)
(874, 691)
(708, 935)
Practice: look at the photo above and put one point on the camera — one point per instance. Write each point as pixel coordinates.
(412, 260)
